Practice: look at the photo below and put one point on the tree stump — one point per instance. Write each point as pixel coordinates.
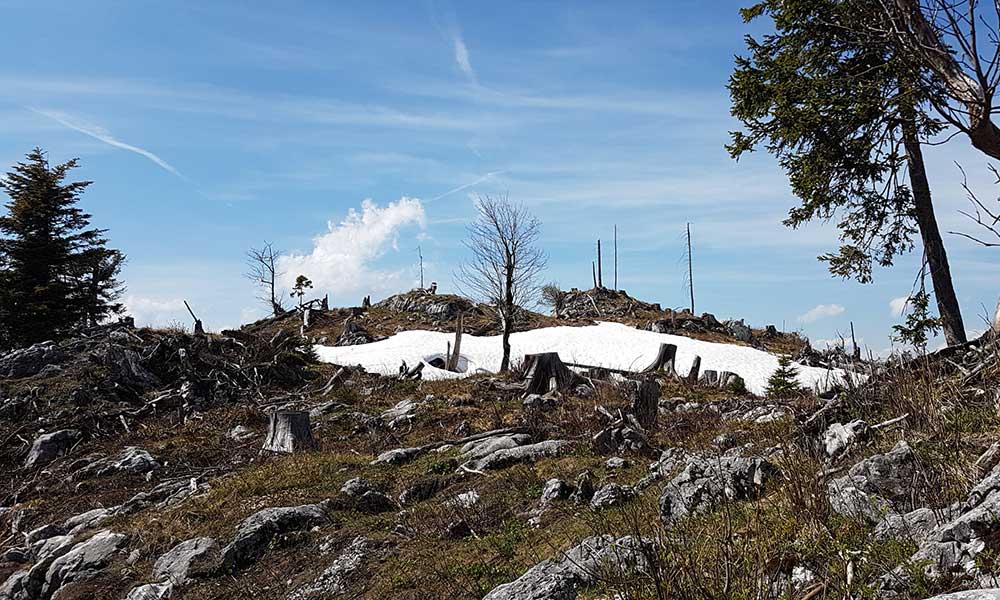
(692, 377)
(546, 372)
(709, 378)
(664, 360)
(645, 401)
(288, 432)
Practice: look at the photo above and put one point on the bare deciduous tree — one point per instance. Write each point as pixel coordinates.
(262, 266)
(505, 263)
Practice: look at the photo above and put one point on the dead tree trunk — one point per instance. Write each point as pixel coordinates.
(546, 372)
(453, 357)
(692, 377)
(645, 401)
(665, 358)
(288, 432)
(600, 279)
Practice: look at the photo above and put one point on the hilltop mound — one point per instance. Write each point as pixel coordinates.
(136, 466)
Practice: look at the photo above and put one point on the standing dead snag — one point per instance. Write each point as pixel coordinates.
(453, 356)
(288, 431)
(262, 269)
(505, 263)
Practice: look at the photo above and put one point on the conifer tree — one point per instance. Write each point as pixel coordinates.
(56, 272)
(783, 383)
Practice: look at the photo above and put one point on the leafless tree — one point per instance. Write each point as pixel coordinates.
(987, 221)
(262, 269)
(505, 264)
(954, 48)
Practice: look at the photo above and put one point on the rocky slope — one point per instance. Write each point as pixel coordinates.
(135, 470)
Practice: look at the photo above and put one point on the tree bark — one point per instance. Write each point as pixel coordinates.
(922, 41)
(543, 369)
(937, 259)
(645, 402)
(288, 432)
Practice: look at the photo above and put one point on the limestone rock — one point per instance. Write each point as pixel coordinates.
(187, 560)
(255, 533)
(47, 447)
(336, 579)
(707, 481)
(521, 454)
(582, 566)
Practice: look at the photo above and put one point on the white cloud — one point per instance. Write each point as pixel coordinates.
(898, 305)
(821, 311)
(156, 312)
(462, 57)
(99, 133)
(341, 259)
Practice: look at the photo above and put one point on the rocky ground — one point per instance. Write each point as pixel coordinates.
(135, 470)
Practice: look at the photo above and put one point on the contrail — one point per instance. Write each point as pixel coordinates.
(100, 134)
(468, 185)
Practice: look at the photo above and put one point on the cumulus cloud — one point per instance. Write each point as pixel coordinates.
(821, 311)
(341, 261)
(898, 305)
(155, 312)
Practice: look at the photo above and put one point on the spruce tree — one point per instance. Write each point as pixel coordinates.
(783, 382)
(56, 272)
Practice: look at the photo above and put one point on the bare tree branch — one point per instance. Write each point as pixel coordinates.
(262, 269)
(505, 264)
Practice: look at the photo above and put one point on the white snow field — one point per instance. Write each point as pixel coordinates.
(609, 345)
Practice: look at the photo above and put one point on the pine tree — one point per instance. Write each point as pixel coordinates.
(783, 382)
(56, 272)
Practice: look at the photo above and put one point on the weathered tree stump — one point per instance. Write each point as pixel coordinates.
(664, 360)
(709, 378)
(288, 432)
(546, 372)
(692, 377)
(644, 398)
(453, 355)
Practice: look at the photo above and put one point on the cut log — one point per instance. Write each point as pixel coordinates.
(709, 377)
(414, 373)
(644, 398)
(288, 432)
(692, 377)
(546, 372)
(664, 362)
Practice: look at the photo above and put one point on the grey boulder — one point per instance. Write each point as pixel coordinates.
(257, 531)
(580, 567)
(187, 560)
(521, 454)
(335, 580)
(707, 481)
(50, 446)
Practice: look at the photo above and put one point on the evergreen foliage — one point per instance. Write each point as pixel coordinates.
(56, 271)
(830, 104)
(783, 383)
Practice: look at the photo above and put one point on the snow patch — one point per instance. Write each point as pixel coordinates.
(610, 345)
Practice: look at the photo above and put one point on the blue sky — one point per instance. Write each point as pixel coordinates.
(349, 133)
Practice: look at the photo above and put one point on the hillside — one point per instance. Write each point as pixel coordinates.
(136, 470)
